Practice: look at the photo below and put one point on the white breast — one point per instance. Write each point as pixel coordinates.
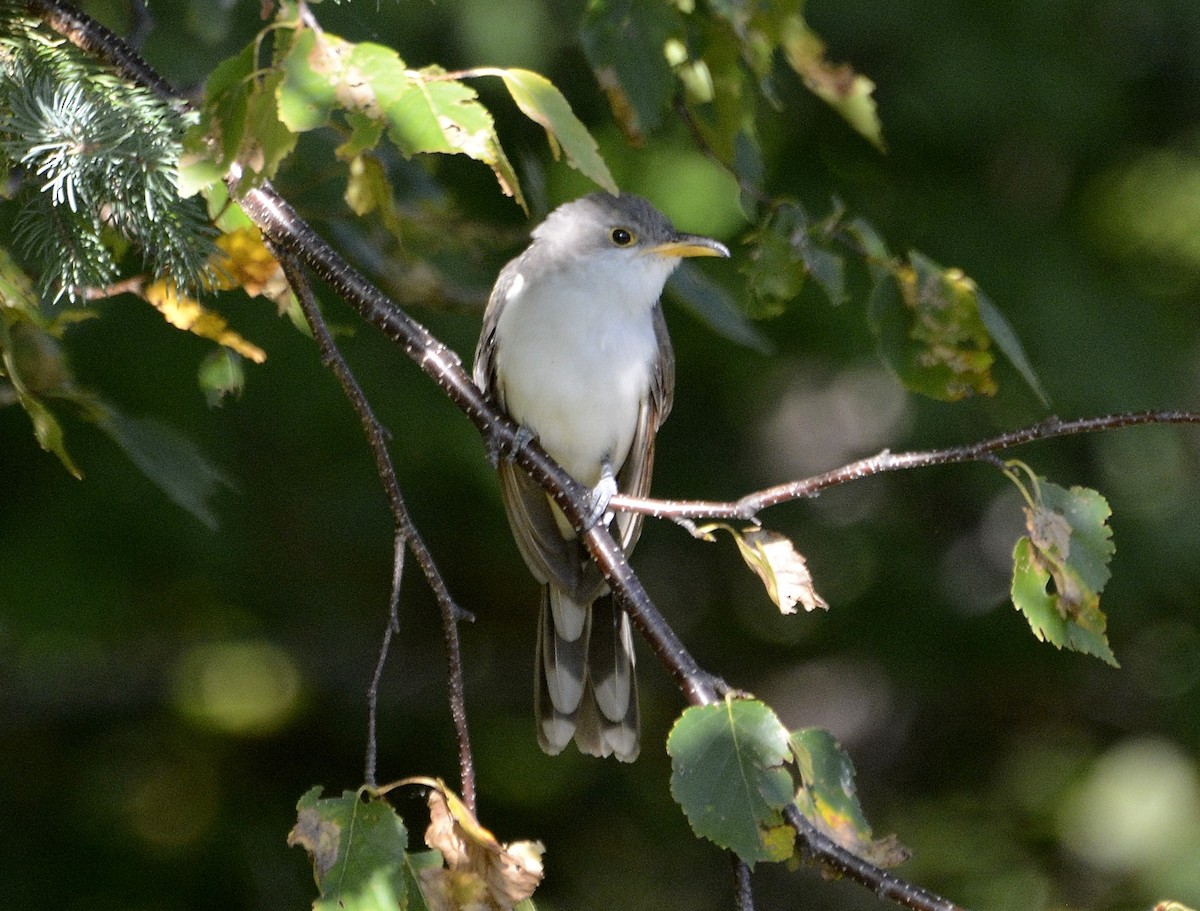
(574, 358)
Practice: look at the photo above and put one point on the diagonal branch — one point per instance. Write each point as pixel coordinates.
(284, 229)
(749, 506)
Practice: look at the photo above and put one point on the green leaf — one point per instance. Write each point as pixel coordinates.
(269, 140)
(436, 114)
(421, 110)
(221, 374)
(357, 845)
(1061, 566)
(773, 271)
(368, 190)
(928, 327)
(1006, 340)
(713, 306)
(48, 432)
(870, 242)
(727, 774)
(828, 798)
(31, 360)
(785, 250)
(762, 29)
(240, 122)
(542, 103)
(414, 863)
(169, 460)
(313, 70)
(839, 86)
(623, 41)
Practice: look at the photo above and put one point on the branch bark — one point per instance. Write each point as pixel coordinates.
(284, 229)
(749, 506)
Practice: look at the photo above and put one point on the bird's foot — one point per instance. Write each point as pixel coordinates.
(600, 496)
(498, 448)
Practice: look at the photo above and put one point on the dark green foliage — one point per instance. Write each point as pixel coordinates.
(99, 159)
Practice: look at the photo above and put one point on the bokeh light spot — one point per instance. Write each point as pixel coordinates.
(1136, 809)
(245, 688)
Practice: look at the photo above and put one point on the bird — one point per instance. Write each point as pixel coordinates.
(574, 347)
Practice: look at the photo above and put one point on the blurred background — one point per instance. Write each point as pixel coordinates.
(168, 691)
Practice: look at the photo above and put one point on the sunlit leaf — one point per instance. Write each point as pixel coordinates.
(189, 314)
(356, 843)
(838, 85)
(473, 869)
(775, 560)
(827, 796)
(542, 103)
(782, 569)
(240, 123)
(245, 262)
(727, 774)
(1061, 565)
(927, 322)
(421, 110)
(268, 139)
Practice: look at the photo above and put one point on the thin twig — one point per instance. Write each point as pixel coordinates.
(390, 629)
(743, 894)
(406, 532)
(283, 227)
(749, 506)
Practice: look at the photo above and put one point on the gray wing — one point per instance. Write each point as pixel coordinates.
(550, 556)
(634, 477)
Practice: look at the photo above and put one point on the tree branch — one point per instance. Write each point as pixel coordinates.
(284, 229)
(749, 506)
(406, 535)
(818, 847)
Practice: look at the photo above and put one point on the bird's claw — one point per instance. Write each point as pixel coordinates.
(498, 448)
(600, 496)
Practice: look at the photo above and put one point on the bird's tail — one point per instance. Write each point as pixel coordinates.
(586, 687)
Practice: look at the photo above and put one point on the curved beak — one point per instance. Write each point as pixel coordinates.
(691, 245)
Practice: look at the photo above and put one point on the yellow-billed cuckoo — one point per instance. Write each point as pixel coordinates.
(574, 347)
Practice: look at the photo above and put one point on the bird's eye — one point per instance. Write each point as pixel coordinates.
(622, 237)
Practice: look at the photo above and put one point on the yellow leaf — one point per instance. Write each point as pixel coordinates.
(246, 263)
(190, 315)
